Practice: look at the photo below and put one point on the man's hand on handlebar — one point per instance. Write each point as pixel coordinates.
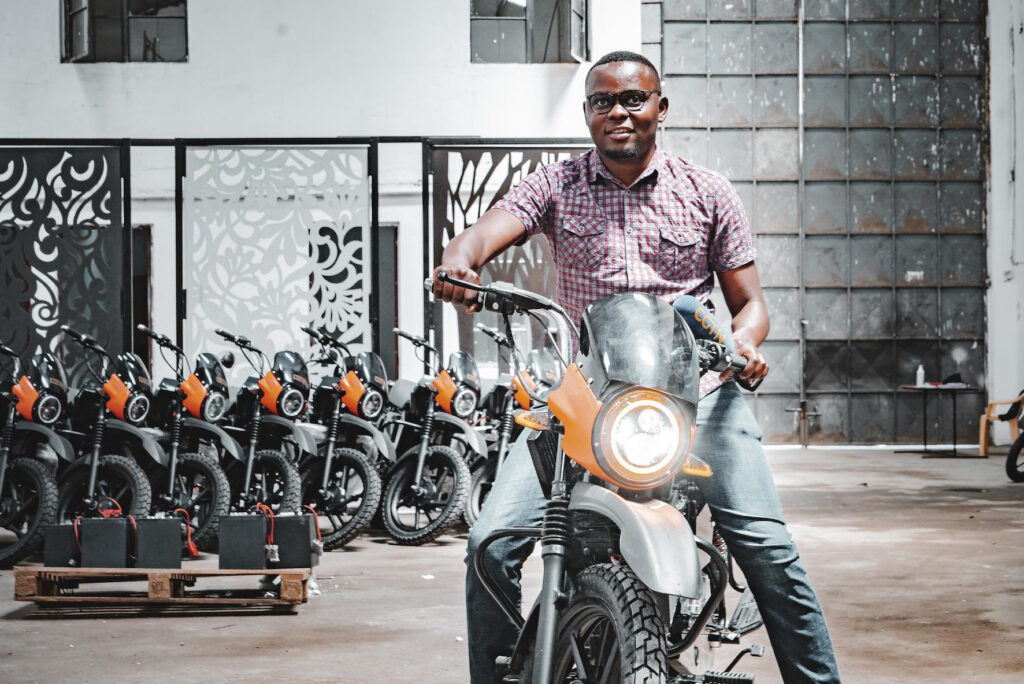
(757, 366)
(457, 295)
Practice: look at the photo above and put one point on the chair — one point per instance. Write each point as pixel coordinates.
(1009, 416)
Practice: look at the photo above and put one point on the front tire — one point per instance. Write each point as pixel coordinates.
(414, 518)
(1015, 460)
(202, 489)
(275, 482)
(27, 504)
(479, 489)
(352, 496)
(609, 632)
(117, 477)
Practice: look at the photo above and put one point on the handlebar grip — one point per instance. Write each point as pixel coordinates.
(226, 335)
(312, 333)
(4, 349)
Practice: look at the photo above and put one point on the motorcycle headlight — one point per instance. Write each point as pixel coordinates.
(136, 408)
(214, 406)
(643, 438)
(464, 402)
(290, 403)
(47, 409)
(371, 404)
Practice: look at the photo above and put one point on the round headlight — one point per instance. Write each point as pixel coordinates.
(136, 408)
(371, 404)
(464, 402)
(291, 403)
(47, 409)
(644, 437)
(213, 407)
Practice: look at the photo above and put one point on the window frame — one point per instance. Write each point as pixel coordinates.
(89, 49)
(568, 49)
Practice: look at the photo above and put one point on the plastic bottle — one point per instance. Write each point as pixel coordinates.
(920, 375)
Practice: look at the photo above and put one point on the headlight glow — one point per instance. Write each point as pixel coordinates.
(642, 438)
(213, 407)
(464, 402)
(48, 409)
(291, 403)
(371, 404)
(136, 408)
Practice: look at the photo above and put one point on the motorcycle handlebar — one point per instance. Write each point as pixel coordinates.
(312, 333)
(415, 339)
(7, 351)
(493, 334)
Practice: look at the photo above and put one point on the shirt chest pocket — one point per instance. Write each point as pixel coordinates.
(582, 243)
(679, 252)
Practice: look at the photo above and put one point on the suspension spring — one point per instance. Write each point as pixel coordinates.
(506, 425)
(8, 431)
(719, 542)
(254, 431)
(557, 523)
(176, 429)
(97, 435)
(428, 426)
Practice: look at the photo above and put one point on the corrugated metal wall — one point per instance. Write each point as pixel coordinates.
(868, 208)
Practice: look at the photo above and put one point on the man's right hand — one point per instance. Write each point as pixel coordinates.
(457, 295)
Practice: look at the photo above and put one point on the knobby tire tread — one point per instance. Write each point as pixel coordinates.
(46, 512)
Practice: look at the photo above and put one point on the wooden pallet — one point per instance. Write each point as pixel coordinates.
(46, 586)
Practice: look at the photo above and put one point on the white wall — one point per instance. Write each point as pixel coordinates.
(299, 68)
(1006, 203)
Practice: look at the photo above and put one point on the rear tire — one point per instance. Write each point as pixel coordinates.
(614, 621)
(407, 515)
(27, 504)
(1015, 460)
(117, 477)
(479, 489)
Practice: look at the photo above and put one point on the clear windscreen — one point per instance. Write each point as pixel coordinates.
(640, 339)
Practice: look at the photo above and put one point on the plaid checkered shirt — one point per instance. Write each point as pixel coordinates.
(666, 234)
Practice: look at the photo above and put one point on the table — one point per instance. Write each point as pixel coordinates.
(954, 388)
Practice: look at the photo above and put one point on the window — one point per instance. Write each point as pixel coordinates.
(124, 31)
(525, 31)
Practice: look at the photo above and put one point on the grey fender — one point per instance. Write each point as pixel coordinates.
(288, 430)
(654, 539)
(354, 424)
(135, 439)
(201, 428)
(463, 429)
(40, 434)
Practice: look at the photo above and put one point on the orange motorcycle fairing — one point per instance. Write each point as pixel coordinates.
(271, 388)
(27, 395)
(576, 407)
(195, 393)
(521, 397)
(446, 389)
(117, 395)
(353, 390)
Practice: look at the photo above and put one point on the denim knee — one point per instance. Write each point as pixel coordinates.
(762, 544)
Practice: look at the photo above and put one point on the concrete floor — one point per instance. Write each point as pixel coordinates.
(918, 562)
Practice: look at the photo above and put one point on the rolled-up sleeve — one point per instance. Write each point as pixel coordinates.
(732, 244)
(530, 201)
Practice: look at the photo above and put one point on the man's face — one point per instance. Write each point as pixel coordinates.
(620, 133)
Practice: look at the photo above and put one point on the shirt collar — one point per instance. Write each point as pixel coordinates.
(596, 167)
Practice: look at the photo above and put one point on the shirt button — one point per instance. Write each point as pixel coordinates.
(629, 231)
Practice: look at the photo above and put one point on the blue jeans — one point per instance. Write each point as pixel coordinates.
(744, 503)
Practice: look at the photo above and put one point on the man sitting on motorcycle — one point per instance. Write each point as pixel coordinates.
(629, 217)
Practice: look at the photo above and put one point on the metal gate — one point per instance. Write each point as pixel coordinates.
(64, 249)
(274, 235)
(462, 180)
(855, 132)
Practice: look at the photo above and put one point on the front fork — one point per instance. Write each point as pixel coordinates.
(332, 438)
(505, 430)
(176, 425)
(250, 461)
(97, 448)
(555, 543)
(425, 435)
(5, 444)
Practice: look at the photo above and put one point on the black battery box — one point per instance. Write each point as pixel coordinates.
(296, 540)
(243, 542)
(107, 542)
(160, 541)
(60, 549)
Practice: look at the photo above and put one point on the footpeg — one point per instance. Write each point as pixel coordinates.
(746, 618)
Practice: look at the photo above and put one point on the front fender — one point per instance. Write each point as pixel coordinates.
(463, 429)
(201, 428)
(120, 432)
(40, 434)
(654, 539)
(276, 425)
(360, 426)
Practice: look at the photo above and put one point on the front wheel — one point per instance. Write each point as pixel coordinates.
(417, 513)
(28, 503)
(202, 489)
(118, 478)
(609, 632)
(350, 499)
(1015, 460)
(275, 483)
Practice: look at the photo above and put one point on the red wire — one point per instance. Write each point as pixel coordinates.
(188, 523)
(269, 514)
(78, 540)
(316, 519)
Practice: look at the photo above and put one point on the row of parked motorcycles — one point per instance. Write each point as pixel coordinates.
(414, 456)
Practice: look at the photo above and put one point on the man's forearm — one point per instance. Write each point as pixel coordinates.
(752, 322)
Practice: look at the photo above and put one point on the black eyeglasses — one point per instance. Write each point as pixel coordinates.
(632, 100)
